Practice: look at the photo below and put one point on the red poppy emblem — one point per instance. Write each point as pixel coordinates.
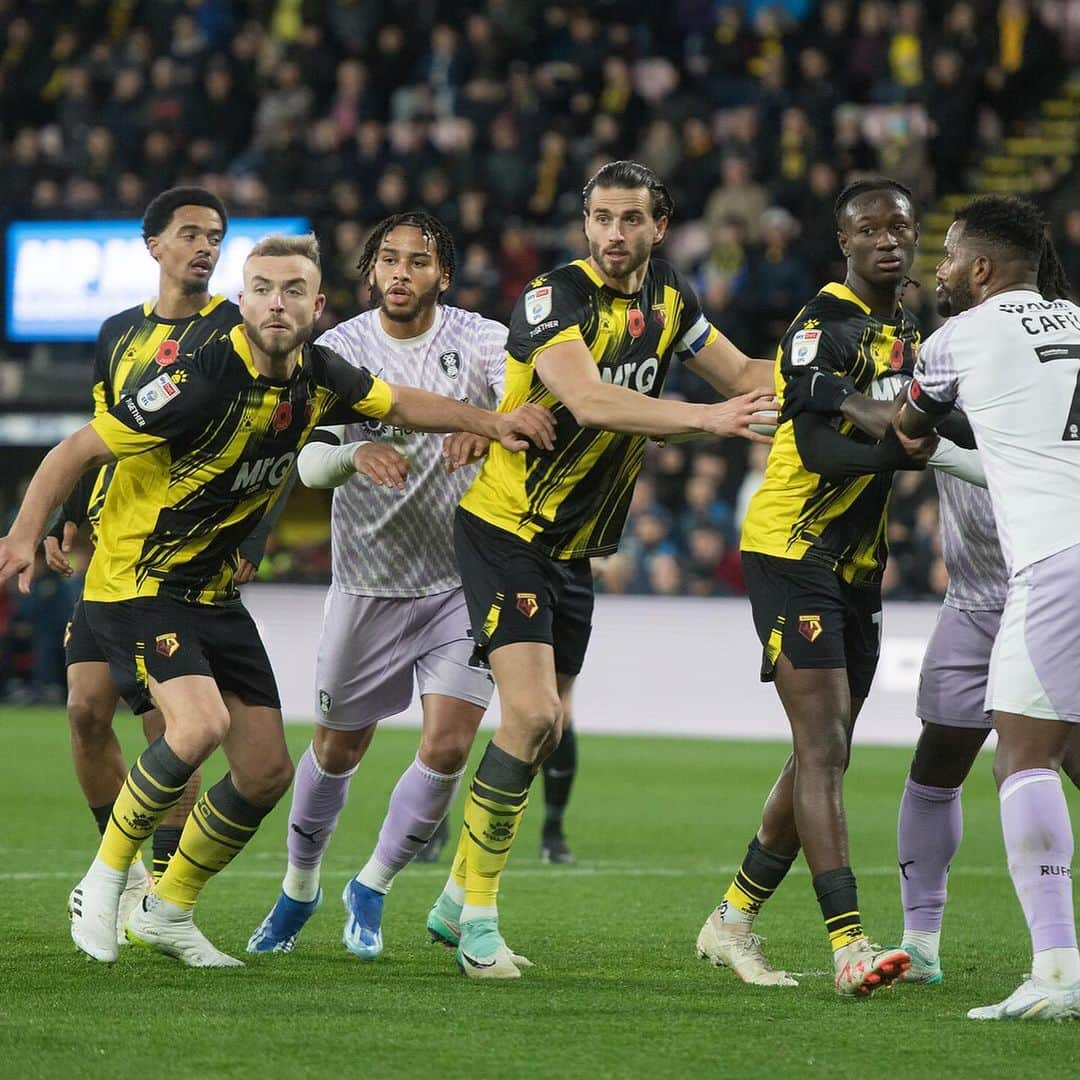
(167, 352)
(896, 357)
(282, 416)
(635, 322)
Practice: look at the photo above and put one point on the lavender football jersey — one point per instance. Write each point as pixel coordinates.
(386, 542)
(978, 580)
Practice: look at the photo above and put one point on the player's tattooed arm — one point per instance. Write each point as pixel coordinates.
(50, 485)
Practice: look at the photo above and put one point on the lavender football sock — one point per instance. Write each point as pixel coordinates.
(928, 834)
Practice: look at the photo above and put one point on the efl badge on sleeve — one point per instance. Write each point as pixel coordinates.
(526, 604)
(804, 347)
(810, 627)
(166, 644)
(157, 393)
(538, 304)
(451, 363)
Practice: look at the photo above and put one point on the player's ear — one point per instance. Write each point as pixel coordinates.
(842, 240)
(152, 245)
(320, 303)
(660, 225)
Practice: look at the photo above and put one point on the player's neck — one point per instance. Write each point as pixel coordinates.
(276, 368)
(1016, 285)
(629, 284)
(882, 302)
(174, 303)
(403, 331)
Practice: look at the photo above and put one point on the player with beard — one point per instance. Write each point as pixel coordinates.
(183, 229)
(395, 615)
(207, 446)
(953, 680)
(1011, 358)
(592, 341)
(813, 554)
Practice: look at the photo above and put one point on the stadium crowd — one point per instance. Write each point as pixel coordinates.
(491, 113)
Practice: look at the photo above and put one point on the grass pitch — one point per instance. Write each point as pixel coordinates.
(658, 825)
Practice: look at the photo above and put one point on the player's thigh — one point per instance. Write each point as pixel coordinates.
(799, 613)
(1033, 667)
(510, 589)
(364, 663)
(572, 624)
(862, 636)
(237, 657)
(952, 681)
(817, 701)
(455, 688)
(528, 686)
(256, 750)
(113, 632)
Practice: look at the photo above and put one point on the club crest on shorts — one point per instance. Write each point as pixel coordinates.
(451, 363)
(326, 702)
(526, 604)
(166, 644)
(810, 627)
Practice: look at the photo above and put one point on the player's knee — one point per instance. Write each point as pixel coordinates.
(446, 751)
(89, 718)
(538, 716)
(210, 727)
(337, 752)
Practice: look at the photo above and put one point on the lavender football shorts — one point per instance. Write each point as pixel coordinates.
(1035, 666)
(374, 649)
(952, 683)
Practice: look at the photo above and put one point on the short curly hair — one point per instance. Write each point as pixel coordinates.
(1013, 226)
(160, 210)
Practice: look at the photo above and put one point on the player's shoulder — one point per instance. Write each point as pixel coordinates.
(221, 311)
(125, 320)
(215, 357)
(476, 327)
(572, 280)
(665, 273)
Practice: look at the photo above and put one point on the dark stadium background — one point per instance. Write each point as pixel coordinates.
(492, 114)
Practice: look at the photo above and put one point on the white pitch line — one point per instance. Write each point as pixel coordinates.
(554, 873)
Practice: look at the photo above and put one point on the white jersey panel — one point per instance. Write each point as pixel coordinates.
(1013, 365)
(978, 580)
(399, 543)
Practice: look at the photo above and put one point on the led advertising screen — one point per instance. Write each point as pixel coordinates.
(64, 278)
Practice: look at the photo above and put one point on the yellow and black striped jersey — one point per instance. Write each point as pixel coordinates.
(129, 347)
(205, 447)
(797, 514)
(571, 501)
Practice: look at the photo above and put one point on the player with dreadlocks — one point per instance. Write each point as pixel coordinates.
(395, 613)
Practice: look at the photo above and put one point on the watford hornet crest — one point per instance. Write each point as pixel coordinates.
(451, 363)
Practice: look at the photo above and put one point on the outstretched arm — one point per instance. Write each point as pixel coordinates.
(54, 479)
(570, 373)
